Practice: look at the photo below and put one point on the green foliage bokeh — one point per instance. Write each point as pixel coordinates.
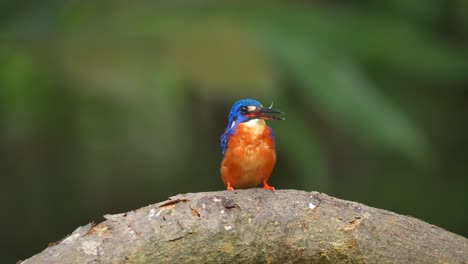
(108, 106)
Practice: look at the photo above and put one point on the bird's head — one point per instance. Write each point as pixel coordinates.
(243, 111)
(247, 109)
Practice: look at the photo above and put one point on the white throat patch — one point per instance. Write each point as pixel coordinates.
(257, 123)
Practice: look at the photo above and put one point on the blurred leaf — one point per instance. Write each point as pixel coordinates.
(376, 40)
(416, 11)
(302, 150)
(25, 94)
(342, 92)
(222, 36)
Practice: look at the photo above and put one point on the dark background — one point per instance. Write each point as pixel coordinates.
(108, 106)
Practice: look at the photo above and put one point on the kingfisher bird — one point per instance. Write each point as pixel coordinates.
(248, 145)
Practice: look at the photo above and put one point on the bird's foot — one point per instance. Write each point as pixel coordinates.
(267, 187)
(229, 187)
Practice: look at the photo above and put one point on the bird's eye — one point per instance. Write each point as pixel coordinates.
(243, 110)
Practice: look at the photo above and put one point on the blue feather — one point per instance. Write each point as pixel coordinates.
(235, 117)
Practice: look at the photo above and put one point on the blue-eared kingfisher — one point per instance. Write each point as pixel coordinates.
(248, 145)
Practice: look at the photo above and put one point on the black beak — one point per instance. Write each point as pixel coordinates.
(266, 113)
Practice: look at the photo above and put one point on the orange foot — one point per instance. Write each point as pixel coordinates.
(229, 187)
(267, 187)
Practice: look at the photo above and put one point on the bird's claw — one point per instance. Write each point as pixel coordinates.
(268, 187)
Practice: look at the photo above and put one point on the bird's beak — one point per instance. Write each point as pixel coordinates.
(266, 113)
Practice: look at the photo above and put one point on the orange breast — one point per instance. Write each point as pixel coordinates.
(250, 156)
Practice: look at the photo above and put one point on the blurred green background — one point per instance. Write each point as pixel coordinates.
(108, 106)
